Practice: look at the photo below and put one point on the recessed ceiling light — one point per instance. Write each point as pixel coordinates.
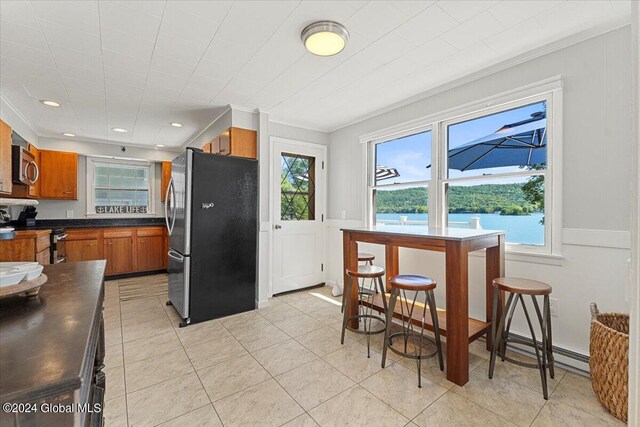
(119, 130)
(160, 145)
(176, 124)
(50, 103)
(68, 134)
(325, 38)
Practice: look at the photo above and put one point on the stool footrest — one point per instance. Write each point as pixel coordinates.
(364, 331)
(412, 355)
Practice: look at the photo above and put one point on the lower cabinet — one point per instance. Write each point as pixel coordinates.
(127, 250)
(82, 250)
(119, 255)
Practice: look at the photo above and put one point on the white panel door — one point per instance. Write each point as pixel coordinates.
(298, 201)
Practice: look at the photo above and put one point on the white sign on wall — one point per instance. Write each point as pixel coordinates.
(121, 209)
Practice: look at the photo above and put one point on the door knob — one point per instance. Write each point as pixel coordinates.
(277, 227)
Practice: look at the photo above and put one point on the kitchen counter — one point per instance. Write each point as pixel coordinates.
(53, 344)
(91, 223)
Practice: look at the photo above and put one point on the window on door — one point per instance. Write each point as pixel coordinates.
(297, 187)
(491, 171)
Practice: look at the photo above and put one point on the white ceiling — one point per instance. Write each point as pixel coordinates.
(142, 64)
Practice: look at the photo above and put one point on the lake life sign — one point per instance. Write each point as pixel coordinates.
(121, 209)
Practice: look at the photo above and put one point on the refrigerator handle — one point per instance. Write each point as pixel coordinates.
(175, 255)
(166, 205)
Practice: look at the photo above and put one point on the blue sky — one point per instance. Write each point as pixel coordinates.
(412, 154)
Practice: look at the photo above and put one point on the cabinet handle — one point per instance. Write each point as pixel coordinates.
(67, 192)
(140, 241)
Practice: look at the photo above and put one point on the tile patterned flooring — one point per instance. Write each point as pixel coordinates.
(284, 365)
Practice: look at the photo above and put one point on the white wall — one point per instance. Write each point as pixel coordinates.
(597, 175)
(8, 115)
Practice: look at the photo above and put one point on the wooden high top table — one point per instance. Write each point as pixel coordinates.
(456, 243)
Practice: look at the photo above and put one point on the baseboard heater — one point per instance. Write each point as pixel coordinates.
(556, 350)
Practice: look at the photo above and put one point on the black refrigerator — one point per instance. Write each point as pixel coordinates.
(211, 211)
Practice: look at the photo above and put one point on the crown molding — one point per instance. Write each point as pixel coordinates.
(19, 114)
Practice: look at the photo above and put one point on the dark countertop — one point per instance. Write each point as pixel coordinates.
(43, 224)
(44, 340)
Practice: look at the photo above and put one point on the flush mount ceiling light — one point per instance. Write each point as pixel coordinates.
(119, 130)
(50, 103)
(325, 38)
(69, 134)
(176, 124)
(160, 145)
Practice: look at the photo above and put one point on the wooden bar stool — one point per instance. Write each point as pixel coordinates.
(366, 292)
(517, 288)
(400, 285)
(365, 257)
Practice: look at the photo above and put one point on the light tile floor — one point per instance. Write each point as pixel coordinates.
(284, 365)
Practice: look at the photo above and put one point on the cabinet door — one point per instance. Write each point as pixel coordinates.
(225, 142)
(5, 158)
(44, 257)
(59, 175)
(82, 250)
(119, 255)
(166, 176)
(150, 253)
(243, 143)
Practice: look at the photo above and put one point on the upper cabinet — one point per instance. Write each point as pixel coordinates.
(5, 158)
(59, 175)
(235, 142)
(166, 177)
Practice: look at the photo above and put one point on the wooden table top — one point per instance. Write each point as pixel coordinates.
(419, 231)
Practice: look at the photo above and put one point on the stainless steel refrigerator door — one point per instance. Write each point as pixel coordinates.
(179, 282)
(179, 224)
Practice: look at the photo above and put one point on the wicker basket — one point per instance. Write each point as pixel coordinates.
(609, 360)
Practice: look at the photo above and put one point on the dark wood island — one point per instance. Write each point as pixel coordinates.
(52, 350)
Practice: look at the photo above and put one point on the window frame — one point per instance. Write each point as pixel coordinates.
(549, 91)
(90, 181)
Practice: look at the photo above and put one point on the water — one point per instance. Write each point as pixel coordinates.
(524, 229)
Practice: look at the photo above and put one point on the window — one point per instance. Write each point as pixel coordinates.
(401, 179)
(116, 187)
(490, 168)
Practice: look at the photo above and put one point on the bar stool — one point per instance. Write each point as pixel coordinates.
(365, 257)
(366, 293)
(400, 285)
(517, 287)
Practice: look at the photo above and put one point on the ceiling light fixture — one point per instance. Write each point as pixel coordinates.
(176, 124)
(159, 145)
(325, 38)
(121, 130)
(69, 134)
(50, 103)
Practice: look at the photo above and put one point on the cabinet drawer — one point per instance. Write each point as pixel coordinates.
(83, 234)
(114, 233)
(149, 231)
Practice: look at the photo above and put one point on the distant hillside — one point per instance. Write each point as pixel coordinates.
(487, 198)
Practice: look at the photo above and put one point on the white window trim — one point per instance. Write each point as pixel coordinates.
(549, 90)
(91, 164)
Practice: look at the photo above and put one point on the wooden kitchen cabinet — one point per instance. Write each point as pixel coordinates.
(82, 250)
(28, 245)
(6, 184)
(150, 253)
(59, 175)
(119, 255)
(235, 142)
(166, 177)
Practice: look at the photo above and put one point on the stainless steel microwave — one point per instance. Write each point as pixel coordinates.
(23, 165)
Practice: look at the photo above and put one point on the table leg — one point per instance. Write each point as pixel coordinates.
(350, 261)
(457, 292)
(392, 264)
(494, 268)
